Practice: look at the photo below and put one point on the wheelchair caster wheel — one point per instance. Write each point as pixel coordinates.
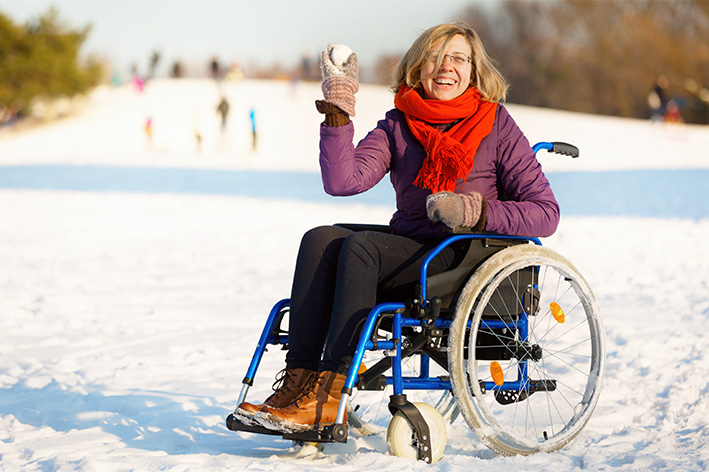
(401, 437)
(339, 433)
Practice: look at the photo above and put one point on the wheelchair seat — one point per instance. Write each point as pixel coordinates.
(446, 285)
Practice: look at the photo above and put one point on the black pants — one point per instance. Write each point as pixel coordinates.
(338, 277)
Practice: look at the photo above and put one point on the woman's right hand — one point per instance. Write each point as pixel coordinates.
(339, 70)
(454, 209)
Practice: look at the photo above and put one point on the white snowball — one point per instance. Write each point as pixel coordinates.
(339, 54)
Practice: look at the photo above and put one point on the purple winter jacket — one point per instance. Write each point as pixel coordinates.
(506, 172)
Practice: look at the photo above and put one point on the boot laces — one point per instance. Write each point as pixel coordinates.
(310, 388)
(282, 384)
(280, 379)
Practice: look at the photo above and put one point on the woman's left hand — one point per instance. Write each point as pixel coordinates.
(454, 209)
(339, 71)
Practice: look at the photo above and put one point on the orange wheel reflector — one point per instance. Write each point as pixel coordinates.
(557, 312)
(362, 368)
(496, 371)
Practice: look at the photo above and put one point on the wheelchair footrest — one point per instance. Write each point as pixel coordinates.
(233, 423)
(327, 434)
(507, 397)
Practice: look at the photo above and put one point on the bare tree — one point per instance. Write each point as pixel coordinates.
(599, 56)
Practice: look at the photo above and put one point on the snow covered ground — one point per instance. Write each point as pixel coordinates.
(130, 304)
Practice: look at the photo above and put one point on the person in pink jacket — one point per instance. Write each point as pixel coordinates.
(455, 158)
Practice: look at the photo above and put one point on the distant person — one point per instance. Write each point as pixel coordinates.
(198, 130)
(307, 65)
(198, 140)
(235, 73)
(215, 69)
(154, 60)
(254, 135)
(456, 158)
(661, 89)
(138, 84)
(673, 113)
(177, 70)
(9, 114)
(149, 132)
(657, 99)
(116, 79)
(223, 111)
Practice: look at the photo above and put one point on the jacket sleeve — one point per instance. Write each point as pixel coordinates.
(526, 204)
(349, 170)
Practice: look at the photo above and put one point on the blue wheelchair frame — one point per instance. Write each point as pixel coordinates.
(400, 383)
(428, 319)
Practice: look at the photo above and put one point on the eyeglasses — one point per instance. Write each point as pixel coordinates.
(456, 59)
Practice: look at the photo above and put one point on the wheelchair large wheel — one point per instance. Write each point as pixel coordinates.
(526, 351)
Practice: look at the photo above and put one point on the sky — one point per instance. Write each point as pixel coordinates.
(262, 32)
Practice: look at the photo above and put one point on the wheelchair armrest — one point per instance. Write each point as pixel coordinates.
(364, 227)
(489, 238)
(461, 230)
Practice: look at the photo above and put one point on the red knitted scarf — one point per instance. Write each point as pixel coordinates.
(449, 155)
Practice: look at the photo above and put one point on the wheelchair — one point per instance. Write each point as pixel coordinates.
(513, 344)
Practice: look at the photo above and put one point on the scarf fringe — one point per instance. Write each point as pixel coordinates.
(452, 162)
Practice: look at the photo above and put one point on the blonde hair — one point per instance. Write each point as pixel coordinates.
(484, 76)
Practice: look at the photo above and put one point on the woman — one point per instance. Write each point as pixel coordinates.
(455, 158)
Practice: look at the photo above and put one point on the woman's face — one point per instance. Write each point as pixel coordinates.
(453, 77)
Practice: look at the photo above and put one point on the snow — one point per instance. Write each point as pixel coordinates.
(132, 296)
(340, 53)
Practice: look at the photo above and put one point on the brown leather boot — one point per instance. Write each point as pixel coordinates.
(315, 407)
(288, 385)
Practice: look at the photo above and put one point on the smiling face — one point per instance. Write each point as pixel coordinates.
(451, 79)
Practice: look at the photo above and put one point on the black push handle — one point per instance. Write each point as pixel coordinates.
(565, 149)
(557, 147)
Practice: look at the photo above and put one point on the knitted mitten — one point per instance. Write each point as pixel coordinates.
(339, 71)
(453, 209)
